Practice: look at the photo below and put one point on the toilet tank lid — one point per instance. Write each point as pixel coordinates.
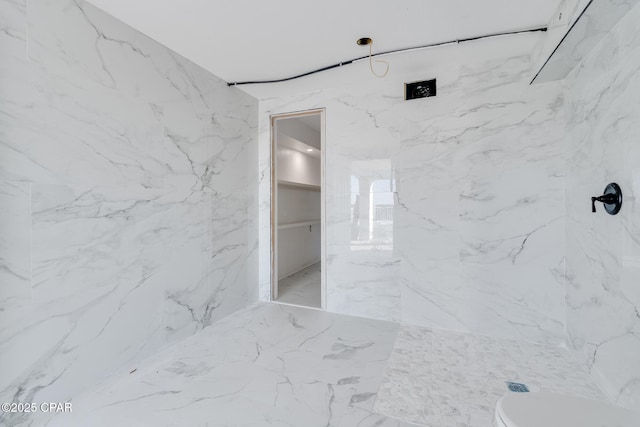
(555, 410)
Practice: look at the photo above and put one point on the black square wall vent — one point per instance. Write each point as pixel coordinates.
(421, 89)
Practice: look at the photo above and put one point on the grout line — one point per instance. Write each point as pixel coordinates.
(26, 30)
(30, 242)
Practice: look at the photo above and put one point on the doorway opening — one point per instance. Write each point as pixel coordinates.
(297, 209)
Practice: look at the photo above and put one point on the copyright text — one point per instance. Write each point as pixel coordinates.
(53, 407)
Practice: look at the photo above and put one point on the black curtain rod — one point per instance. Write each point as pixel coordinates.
(351, 61)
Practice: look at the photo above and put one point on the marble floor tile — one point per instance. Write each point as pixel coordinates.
(441, 378)
(301, 288)
(280, 365)
(269, 364)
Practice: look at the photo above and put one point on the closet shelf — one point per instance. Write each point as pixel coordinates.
(298, 185)
(297, 224)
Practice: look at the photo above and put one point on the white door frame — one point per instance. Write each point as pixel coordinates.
(274, 202)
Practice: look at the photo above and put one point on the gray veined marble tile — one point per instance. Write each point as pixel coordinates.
(13, 33)
(441, 378)
(272, 364)
(301, 288)
(268, 364)
(137, 162)
(477, 202)
(603, 300)
(15, 245)
(594, 23)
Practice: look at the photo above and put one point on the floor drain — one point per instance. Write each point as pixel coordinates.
(517, 387)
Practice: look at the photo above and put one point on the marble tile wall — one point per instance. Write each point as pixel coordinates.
(593, 20)
(123, 183)
(603, 251)
(443, 212)
(15, 256)
(134, 204)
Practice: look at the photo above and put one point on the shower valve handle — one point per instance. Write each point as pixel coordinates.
(611, 199)
(607, 199)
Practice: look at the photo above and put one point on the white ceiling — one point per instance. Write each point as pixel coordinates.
(287, 142)
(253, 40)
(313, 121)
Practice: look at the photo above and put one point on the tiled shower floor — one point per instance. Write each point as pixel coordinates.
(277, 365)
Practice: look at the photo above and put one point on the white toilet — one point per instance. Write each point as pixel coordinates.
(553, 410)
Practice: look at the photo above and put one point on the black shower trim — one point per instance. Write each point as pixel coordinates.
(350, 61)
(611, 199)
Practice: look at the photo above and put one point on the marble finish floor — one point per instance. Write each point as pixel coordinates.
(301, 288)
(279, 365)
(448, 379)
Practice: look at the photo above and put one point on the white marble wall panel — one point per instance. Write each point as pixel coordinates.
(591, 25)
(138, 166)
(15, 244)
(254, 221)
(603, 251)
(13, 28)
(476, 241)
